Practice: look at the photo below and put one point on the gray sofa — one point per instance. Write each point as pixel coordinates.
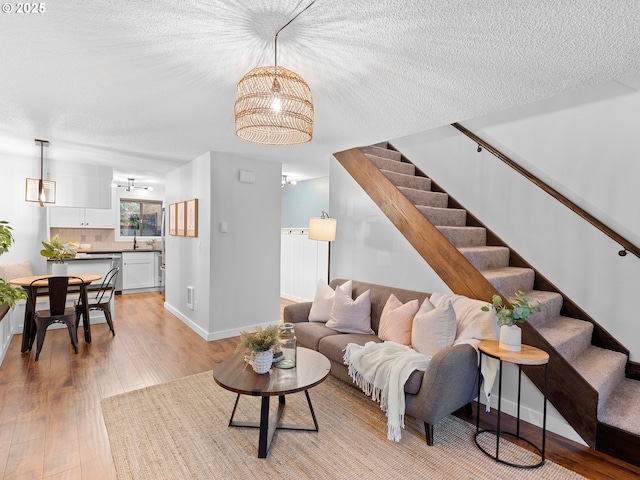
(449, 383)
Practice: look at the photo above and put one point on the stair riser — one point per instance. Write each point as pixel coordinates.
(409, 181)
(465, 236)
(447, 217)
(392, 165)
(382, 152)
(553, 304)
(510, 284)
(496, 257)
(570, 337)
(603, 369)
(425, 198)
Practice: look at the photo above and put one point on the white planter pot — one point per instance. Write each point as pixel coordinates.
(60, 269)
(510, 338)
(261, 361)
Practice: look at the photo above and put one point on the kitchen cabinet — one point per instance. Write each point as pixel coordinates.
(80, 185)
(71, 217)
(139, 270)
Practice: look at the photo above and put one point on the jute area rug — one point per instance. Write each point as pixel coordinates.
(178, 430)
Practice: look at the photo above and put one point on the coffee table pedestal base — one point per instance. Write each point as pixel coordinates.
(268, 428)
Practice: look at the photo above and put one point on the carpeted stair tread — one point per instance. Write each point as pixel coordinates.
(486, 257)
(382, 152)
(510, 280)
(465, 236)
(444, 216)
(603, 369)
(620, 410)
(552, 304)
(569, 336)
(409, 181)
(392, 165)
(425, 198)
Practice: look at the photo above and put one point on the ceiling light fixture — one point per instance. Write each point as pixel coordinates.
(37, 189)
(130, 186)
(287, 182)
(274, 105)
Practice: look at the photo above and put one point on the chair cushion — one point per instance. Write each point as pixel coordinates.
(333, 348)
(309, 334)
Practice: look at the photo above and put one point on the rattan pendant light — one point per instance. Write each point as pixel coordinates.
(274, 105)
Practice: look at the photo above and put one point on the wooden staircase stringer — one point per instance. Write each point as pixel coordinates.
(445, 259)
(577, 405)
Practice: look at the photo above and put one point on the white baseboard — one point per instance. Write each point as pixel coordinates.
(555, 423)
(208, 336)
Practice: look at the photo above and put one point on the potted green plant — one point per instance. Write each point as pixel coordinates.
(58, 251)
(508, 318)
(8, 294)
(260, 345)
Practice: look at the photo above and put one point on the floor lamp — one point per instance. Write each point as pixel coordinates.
(323, 229)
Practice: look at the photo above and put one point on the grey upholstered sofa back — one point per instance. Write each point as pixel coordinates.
(379, 296)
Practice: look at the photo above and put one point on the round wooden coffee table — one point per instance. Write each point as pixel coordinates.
(236, 375)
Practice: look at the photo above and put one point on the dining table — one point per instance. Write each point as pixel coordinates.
(32, 289)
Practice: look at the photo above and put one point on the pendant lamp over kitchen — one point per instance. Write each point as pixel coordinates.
(39, 190)
(274, 105)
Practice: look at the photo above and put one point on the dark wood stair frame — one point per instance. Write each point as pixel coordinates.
(568, 391)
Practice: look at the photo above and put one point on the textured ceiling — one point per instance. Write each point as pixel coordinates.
(145, 86)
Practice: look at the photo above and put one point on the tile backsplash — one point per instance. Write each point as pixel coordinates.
(99, 238)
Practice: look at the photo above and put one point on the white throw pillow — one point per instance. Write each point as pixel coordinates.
(473, 324)
(396, 320)
(351, 316)
(323, 300)
(434, 329)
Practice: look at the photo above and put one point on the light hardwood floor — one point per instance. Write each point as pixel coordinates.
(51, 424)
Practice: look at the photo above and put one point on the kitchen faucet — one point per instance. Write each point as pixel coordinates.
(135, 241)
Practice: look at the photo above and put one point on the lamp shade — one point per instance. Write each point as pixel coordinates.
(40, 191)
(274, 107)
(323, 229)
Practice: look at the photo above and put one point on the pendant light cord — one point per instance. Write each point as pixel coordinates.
(282, 28)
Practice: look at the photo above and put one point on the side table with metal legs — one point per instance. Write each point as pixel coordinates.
(527, 356)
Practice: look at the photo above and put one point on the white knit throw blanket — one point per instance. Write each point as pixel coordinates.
(381, 370)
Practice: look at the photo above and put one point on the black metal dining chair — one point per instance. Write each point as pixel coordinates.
(58, 312)
(102, 299)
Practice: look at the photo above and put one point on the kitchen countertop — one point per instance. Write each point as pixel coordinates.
(105, 254)
(99, 251)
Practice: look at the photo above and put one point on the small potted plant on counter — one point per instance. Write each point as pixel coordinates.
(58, 251)
(260, 345)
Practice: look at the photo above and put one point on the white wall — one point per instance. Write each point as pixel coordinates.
(28, 220)
(586, 152)
(236, 274)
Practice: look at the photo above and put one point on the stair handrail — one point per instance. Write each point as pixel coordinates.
(626, 245)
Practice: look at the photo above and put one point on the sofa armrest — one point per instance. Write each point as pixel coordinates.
(297, 312)
(449, 383)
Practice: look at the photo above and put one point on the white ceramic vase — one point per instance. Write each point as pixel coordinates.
(261, 361)
(510, 338)
(59, 269)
